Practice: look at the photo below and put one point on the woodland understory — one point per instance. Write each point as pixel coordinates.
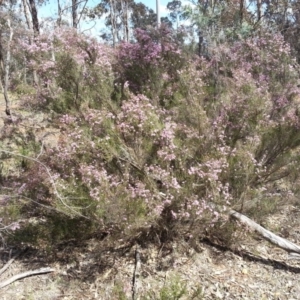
(157, 132)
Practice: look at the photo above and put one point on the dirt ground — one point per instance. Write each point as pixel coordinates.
(253, 270)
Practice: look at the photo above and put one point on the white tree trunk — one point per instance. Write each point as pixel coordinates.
(26, 14)
(31, 39)
(6, 68)
(113, 22)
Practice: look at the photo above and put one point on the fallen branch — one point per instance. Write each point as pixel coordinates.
(266, 234)
(295, 256)
(4, 268)
(25, 274)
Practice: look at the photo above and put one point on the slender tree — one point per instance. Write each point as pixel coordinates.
(157, 13)
(30, 25)
(74, 13)
(113, 20)
(242, 8)
(119, 15)
(26, 14)
(5, 57)
(175, 8)
(34, 16)
(59, 13)
(258, 5)
(125, 19)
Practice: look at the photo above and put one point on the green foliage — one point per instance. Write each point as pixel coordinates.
(118, 292)
(24, 89)
(174, 290)
(13, 211)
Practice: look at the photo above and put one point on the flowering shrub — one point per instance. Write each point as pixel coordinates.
(257, 113)
(150, 65)
(72, 69)
(138, 164)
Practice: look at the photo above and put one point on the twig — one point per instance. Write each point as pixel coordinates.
(294, 256)
(41, 152)
(25, 274)
(4, 268)
(136, 273)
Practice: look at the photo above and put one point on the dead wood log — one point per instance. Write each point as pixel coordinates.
(25, 274)
(266, 234)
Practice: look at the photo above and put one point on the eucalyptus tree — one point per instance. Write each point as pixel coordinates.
(280, 16)
(9, 20)
(75, 13)
(175, 8)
(117, 15)
(215, 21)
(34, 17)
(32, 21)
(142, 16)
(204, 18)
(5, 59)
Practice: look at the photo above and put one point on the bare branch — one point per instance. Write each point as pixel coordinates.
(25, 274)
(266, 234)
(4, 268)
(80, 15)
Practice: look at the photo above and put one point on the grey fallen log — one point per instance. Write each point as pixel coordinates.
(266, 234)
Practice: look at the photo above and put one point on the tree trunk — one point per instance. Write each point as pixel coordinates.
(113, 22)
(5, 67)
(30, 27)
(59, 13)
(124, 4)
(1, 61)
(258, 10)
(34, 16)
(26, 14)
(200, 43)
(157, 13)
(74, 13)
(241, 11)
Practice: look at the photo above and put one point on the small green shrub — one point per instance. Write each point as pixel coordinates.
(174, 289)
